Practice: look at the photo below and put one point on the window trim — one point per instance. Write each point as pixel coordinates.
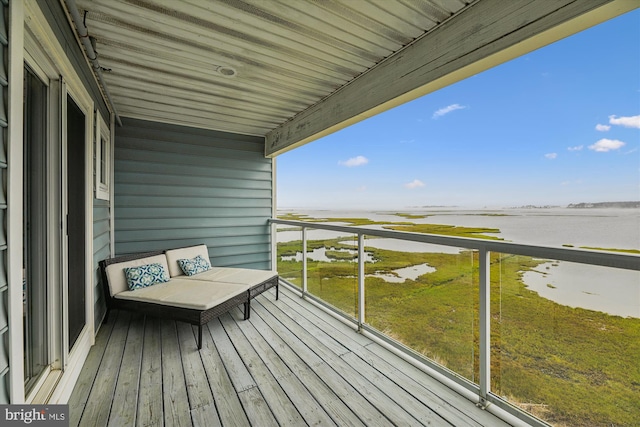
(102, 166)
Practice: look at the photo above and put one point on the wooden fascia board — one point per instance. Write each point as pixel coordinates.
(484, 35)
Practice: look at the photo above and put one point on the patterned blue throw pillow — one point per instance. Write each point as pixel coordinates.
(194, 266)
(145, 275)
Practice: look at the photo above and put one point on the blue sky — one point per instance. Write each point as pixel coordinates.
(559, 125)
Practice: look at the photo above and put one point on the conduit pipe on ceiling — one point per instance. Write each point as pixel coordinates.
(83, 33)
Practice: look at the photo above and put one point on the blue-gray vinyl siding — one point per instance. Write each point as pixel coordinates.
(101, 250)
(4, 282)
(177, 186)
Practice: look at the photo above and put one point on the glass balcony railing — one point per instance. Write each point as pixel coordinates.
(562, 333)
(289, 253)
(426, 301)
(538, 332)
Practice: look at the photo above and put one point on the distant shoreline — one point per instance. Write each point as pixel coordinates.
(604, 205)
(581, 205)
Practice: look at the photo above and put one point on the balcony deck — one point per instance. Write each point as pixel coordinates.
(289, 364)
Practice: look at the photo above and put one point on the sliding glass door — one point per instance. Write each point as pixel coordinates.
(57, 225)
(35, 310)
(76, 220)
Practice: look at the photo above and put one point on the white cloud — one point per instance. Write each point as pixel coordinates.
(446, 110)
(605, 145)
(416, 183)
(576, 148)
(354, 161)
(628, 122)
(551, 156)
(361, 189)
(602, 128)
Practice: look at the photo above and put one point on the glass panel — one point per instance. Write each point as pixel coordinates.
(76, 219)
(563, 336)
(103, 161)
(426, 297)
(289, 253)
(35, 230)
(332, 264)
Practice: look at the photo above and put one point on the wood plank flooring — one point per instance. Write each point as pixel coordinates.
(291, 364)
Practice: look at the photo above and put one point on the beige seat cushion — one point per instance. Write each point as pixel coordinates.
(243, 276)
(180, 292)
(118, 280)
(173, 255)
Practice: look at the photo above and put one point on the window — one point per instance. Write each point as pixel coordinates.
(102, 158)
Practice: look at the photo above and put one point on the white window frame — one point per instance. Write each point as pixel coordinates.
(102, 165)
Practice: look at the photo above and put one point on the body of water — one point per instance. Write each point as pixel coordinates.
(604, 289)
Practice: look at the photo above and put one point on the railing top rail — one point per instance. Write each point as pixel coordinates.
(583, 256)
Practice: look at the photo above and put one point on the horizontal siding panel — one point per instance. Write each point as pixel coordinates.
(100, 227)
(151, 156)
(182, 223)
(176, 186)
(203, 171)
(241, 261)
(237, 250)
(262, 265)
(101, 244)
(100, 205)
(103, 249)
(186, 191)
(192, 181)
(225, 141)
(100, 215)
(247, 241)
(195, 233)
(143, 127)
(150, 245)
(217, 246)
(171, 201)
(175, 212)
(194, 150)
(211, 241)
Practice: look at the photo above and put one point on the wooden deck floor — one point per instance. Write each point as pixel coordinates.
(289, 365)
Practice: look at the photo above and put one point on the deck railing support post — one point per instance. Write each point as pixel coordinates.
(274, 246)
(485, 325)
(360, 281)
(304, 261)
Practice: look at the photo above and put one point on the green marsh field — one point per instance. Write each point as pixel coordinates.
(568, 366)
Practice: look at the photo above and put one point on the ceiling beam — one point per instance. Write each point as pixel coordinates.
(487, 33)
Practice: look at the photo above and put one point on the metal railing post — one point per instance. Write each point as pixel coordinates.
(360, 281)
(274, 246)
(304, 261)
(485, 325)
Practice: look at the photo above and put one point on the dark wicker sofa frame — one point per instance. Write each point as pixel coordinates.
(193, 316)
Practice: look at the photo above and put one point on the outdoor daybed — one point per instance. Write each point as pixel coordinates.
(155, 284)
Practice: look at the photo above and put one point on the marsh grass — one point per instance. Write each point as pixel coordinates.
(410, 216)
(447, 230)
(569, 366)
(341, 255)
